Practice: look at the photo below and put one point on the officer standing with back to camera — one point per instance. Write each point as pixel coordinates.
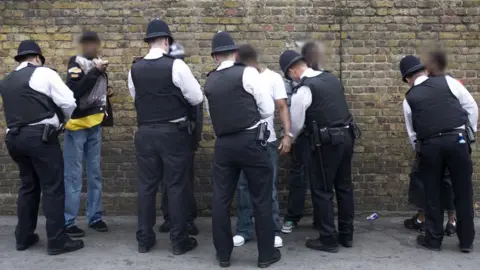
(319, 103)
(163, 89)
(35, 103)
(438, 111)
(195, 116)
(238, 106)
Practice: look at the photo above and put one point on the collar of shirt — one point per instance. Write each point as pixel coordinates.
(310, 73)
(23, 64)
(420, 80)
(225, 64)
(155, 53)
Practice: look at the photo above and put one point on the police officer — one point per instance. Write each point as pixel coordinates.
(196, 117)
(237, 105)
(35, 103)
(319, 104)
(437, 112)
(163, 89)
(313, 52)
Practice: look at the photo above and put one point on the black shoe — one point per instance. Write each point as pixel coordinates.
(69, 245)
(466, 249)
(75, 232)
(99, 226)
(317, 244)
(277, 255)
(450, 229)
(422, 241)
(189, 244)
(223, 264)
(345, 240)
(144, 248)
(31, 240)
(165, 227)
(413, 224)
(192, 228)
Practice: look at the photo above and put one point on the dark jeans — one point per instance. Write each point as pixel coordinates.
(244, 204)
(41, 172)
(163, 153)
(437, 154)
(416, 192)
(298, 179)
(337, 162)
(192, 213)
(233, 154)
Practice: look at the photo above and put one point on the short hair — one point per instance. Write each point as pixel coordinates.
(246, 53)
(439, 57)
(309, 50)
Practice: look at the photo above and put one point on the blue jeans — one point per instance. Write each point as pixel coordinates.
(83, 145)
(244, 205)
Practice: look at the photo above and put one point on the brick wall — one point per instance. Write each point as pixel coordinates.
(374, 36)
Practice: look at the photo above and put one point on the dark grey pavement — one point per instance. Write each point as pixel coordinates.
(381, 244)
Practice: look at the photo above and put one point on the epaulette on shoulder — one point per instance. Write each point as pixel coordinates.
(327, 71)
(136, 59)
(169, 56)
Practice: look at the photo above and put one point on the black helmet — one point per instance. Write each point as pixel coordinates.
(158, 28)
(409, 65)
(223, 42)
(29, 47)
(287, 59)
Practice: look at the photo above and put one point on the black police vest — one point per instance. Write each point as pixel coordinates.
(435, 108)
(23, 105)
(157, 99)
(329, 108)
(232, 109)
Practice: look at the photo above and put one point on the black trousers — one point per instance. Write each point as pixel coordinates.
(437, 154)
(298, 179)
(41, 172)
(233, 154)
(163, 153)
(337, 160)
(416, 190)
(192, 206)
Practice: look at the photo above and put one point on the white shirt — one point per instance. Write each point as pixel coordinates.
(275, 86)
(252, 83)
(49, 83)
(182, 78)
(301, 100)
(464, 97)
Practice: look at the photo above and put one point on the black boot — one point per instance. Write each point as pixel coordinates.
(422, 241)
(345, 240)
(318, 244)
(223, 263)
(450, 229)
(277, 255)
(187, 245)
(146, 247)
(413, 224)
(68, 245)
(31, 240)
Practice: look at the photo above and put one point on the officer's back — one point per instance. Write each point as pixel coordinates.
(237, 104)
(163, 89)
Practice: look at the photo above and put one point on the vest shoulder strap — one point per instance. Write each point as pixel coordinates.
(137, 59)
(169, 56)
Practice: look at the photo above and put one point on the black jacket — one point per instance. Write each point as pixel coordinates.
(81, 84)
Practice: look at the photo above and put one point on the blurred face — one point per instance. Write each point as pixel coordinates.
(90, 48)
(431, 66)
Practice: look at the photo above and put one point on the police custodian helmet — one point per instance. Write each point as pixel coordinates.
(156, 29)
(287, 59)
(29, 47)
(409, 65)
(223, 42)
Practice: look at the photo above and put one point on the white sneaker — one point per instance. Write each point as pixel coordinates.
(278, 242)
(238, 241)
